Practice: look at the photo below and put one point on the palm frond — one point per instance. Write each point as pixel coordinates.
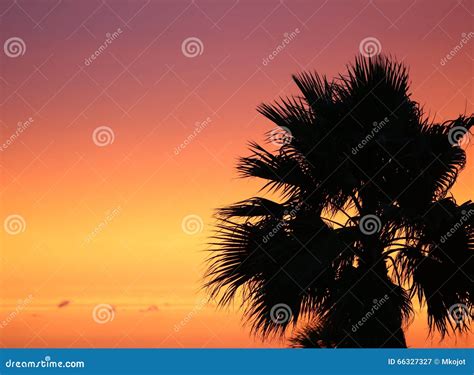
(274, 262)
(440, 269)
(254, 207)
(359, 145)
(284, 171)
(316, 335)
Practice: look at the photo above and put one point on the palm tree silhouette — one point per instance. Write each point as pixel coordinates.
(364, 223)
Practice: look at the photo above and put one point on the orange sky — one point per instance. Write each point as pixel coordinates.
(151, 95)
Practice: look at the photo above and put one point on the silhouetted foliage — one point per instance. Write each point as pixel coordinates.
(365, 221)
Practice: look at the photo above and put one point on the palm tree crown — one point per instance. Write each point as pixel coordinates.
(364, 222)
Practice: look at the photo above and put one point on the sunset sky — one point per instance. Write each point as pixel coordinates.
(103, 223)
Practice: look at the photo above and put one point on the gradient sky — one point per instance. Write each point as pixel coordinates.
(144, 88)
